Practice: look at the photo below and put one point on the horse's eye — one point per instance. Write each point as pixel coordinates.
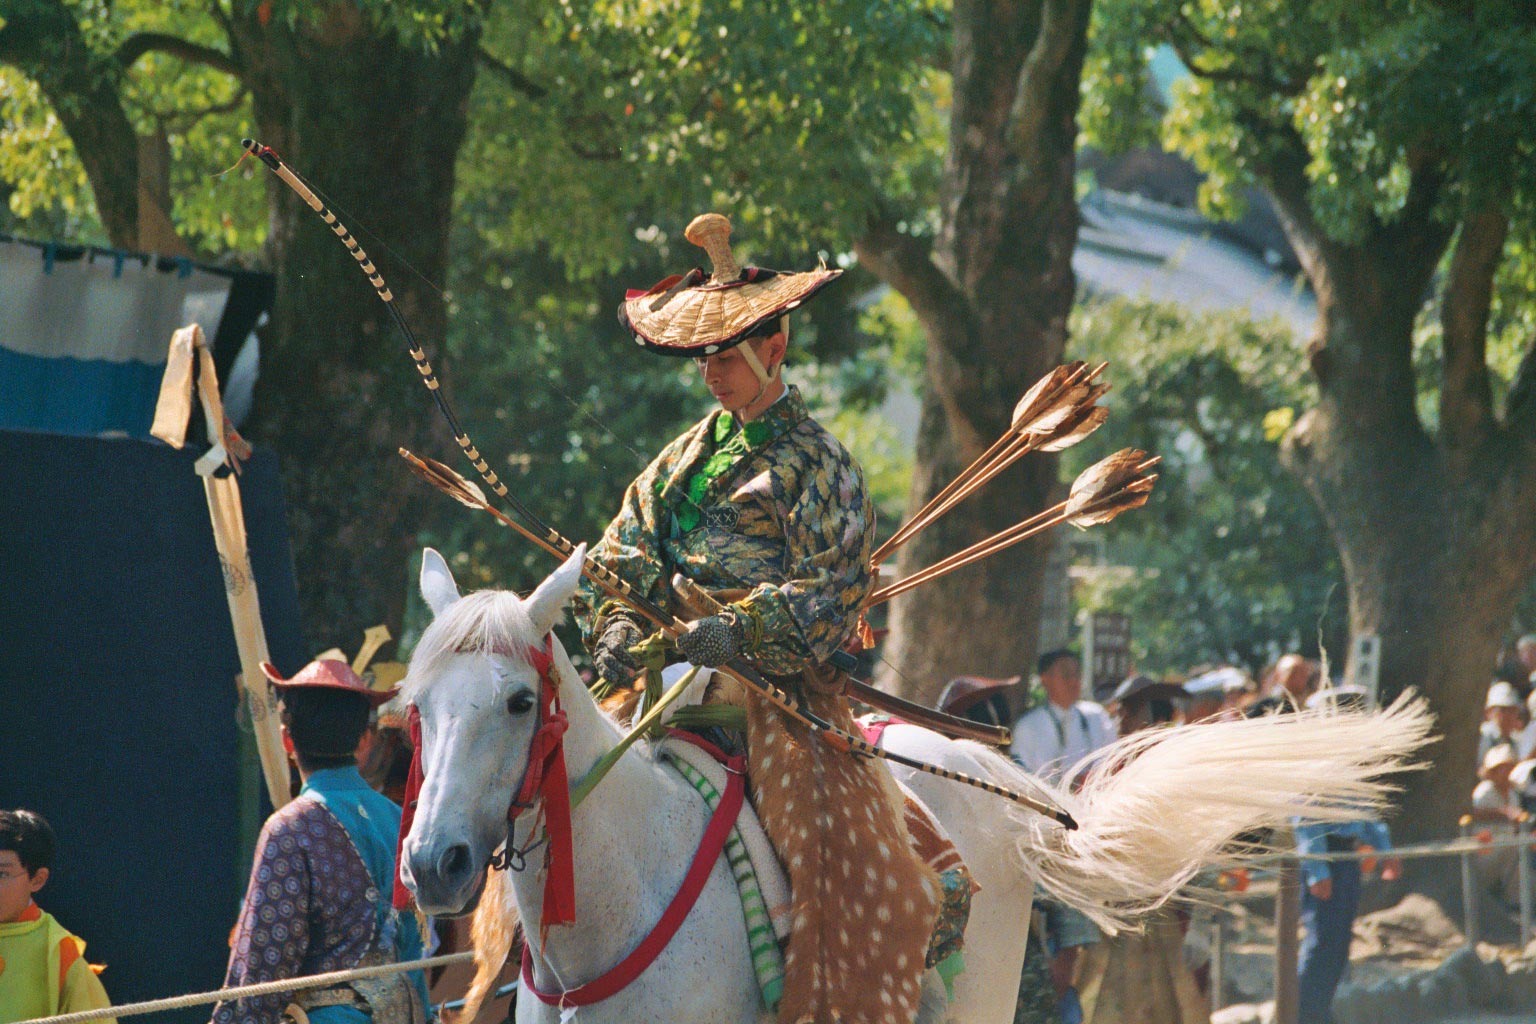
(520, 703)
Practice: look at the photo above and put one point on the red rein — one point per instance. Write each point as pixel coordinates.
(545, 784)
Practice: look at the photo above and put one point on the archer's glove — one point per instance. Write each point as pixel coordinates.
(715, 639)
(611, 654)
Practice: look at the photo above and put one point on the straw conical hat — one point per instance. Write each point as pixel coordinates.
(695, 315)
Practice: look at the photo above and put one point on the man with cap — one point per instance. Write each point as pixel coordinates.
(760, 505)
(1142, 702)
(1502, 718)
(1217, 695)
(319, 894)
(1496, 807)
(1063, 730)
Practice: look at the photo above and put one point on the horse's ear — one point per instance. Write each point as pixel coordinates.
(437, 586)
(546, 605)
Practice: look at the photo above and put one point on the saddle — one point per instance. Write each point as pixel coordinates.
(868, 894)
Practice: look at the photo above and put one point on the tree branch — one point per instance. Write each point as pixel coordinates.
(905, 262)
(140, 43)
(43, 40)
(1466, 398)
(513, 77)
(1062, 25)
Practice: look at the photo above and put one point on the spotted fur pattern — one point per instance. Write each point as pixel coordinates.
(864, 903)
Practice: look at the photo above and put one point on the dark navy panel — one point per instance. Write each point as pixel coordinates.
(117, 695)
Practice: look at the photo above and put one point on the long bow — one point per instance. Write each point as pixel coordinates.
(547, 538)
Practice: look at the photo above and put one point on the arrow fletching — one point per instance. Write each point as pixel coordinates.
(1133, 495)
(446, 480)
(1109, 487)
(1043, 395)
(1087, 419)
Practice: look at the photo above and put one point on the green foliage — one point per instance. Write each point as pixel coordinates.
(628, 118)
(1119, 111)
(1231, 561)
(49, 193)
(1372, 91)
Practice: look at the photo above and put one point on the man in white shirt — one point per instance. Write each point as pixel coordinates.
(1065, 729)
(1047, 741)
(1501, 720)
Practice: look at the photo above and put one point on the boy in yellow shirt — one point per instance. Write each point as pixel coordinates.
(42, 966)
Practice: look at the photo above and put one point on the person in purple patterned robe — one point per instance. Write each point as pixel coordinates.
(319, 894)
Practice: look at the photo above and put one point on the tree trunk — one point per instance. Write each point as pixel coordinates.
(41, 38)
(338, 394)
(993, 293)
(1437, 542)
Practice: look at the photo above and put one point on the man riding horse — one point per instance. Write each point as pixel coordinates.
(761, 506)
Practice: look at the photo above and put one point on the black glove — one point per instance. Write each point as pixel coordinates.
(715, 639)
(611, 654)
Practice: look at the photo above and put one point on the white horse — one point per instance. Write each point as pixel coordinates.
(1153, 813)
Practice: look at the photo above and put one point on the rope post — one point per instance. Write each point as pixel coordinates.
(1523, 829)
(1287, 941)
(1468, 887)
(1218, 952)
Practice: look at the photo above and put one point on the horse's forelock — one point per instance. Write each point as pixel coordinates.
(490, 620)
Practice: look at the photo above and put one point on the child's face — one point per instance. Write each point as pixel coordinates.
(16, 886)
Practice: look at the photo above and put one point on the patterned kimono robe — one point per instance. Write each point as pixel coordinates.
(783, 514)
(318, 901)
(787, 519)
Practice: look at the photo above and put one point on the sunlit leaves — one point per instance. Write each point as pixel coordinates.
(37, 157)
(1242, 562)
(793, 118)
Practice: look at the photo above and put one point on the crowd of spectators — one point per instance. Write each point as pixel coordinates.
(1121, 979)
(1505, 791)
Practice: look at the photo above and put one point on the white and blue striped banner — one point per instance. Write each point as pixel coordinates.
(84, 335)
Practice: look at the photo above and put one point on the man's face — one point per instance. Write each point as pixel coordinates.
(1293, 673)
(1506, 720)
(16, 886)
(1527, 655)
(730, 378)
(1063, 682)
(1133, 716)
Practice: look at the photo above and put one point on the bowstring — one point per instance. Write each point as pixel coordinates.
(358, 227)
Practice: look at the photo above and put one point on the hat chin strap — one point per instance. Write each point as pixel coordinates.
(764, 378)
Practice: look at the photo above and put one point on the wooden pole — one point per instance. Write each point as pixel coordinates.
(1287, 941)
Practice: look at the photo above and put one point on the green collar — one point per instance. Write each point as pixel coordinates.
(731, 446)
(775, 420)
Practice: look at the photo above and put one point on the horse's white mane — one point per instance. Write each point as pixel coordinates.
(488, 620)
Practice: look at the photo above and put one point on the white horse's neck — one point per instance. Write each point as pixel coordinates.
(618, 853)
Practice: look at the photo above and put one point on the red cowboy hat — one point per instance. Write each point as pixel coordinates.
(330, 674)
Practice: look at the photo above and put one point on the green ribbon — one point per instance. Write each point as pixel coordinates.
(730, 446)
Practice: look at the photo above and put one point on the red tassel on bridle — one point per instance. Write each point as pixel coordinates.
(545, 784)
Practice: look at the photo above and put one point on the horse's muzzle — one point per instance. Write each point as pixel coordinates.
(445, 878)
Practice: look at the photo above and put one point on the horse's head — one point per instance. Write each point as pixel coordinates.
(478, 694)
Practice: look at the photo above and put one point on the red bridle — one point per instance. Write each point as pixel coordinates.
(545, 784)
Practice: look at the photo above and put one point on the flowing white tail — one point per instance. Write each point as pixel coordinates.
(1157, 807)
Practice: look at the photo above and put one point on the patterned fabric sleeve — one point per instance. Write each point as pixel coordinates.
(272, 935)
(829, 535)
(631, 545)
(631, 548)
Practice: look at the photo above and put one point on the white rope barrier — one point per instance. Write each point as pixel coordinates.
(1442, 848)
(264, 988)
